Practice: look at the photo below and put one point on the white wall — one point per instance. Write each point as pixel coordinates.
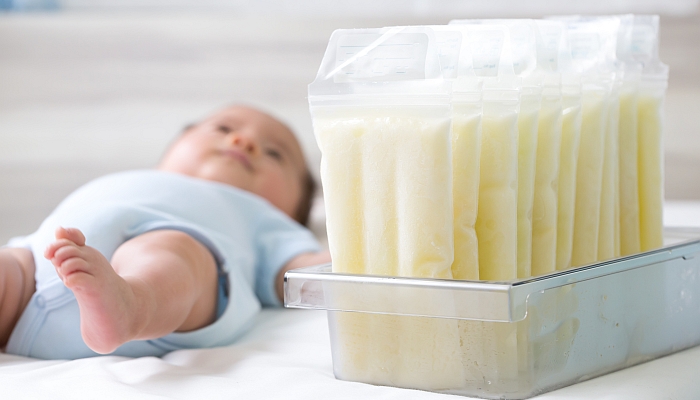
(83, 93)
(396, 8)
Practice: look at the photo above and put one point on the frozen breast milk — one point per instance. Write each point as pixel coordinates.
(466, 146)
(544, 221)
(467, 109)
(405, 229)
(608, 229)
(399, 212)
(397, 221)
(652, 91)
(592, 43)
(497, 215)
(568, 161)
(527, 151)
(589, 177)
(629, 189)
(496, 223)
(397, 350)
(627, 51)
(650, 161)
(386, 169)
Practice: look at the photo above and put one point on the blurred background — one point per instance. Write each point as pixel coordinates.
(89, 87)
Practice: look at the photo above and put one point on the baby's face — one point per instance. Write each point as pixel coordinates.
(244, 148)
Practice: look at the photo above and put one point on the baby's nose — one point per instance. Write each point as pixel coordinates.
(245, 143)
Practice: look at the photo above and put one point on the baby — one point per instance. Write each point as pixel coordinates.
(145, 262)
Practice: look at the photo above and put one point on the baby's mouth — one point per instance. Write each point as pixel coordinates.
(240, 156)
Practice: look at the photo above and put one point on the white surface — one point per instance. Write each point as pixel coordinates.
(287, 356)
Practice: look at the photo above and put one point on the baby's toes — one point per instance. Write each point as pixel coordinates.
(73, 272)
(72, 234)
(64, 253)
(54, 246)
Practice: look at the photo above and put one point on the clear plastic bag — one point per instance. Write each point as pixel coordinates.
(491, 65)
(381, 116)
(628, 143)
(592, 44)
(650, 125)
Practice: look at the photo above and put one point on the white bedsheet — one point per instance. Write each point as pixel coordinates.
(287, 356)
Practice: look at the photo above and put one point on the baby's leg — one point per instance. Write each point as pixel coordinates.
(156, 283)
(16, 288)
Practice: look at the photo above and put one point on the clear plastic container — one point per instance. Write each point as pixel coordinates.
(514, 339)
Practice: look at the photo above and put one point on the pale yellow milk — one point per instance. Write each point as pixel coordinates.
(466, 145)
(387, 182)
(544, 221)
(413, 352)
(387, 185)
(589, 176)
(608, 228)
(650, 162)
(341, 173)
(527, 149)
(496, 222)
(629, 189)
(570, 135)
(488, 352)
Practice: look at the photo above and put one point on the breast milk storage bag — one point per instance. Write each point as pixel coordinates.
(486, 62)
(644, 47)
(381, 116)
(592, 51)
(557, 59)
(467, 111)
(382, 119)
(627, 139)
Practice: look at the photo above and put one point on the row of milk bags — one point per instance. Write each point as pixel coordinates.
(483, 150)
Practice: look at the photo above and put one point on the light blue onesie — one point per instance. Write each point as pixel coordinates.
(250, 239)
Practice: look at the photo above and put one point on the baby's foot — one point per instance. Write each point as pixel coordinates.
(105, 298)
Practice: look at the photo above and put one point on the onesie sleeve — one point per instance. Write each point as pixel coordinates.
(279, 240)
(24, 242)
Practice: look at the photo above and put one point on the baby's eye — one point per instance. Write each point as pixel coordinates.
(223, 129)
(274, 154)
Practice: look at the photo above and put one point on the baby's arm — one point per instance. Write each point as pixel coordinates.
(302, 260)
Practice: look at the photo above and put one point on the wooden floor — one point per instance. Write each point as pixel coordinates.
(85, 94)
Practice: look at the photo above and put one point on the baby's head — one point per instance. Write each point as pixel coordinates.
(250, 150)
